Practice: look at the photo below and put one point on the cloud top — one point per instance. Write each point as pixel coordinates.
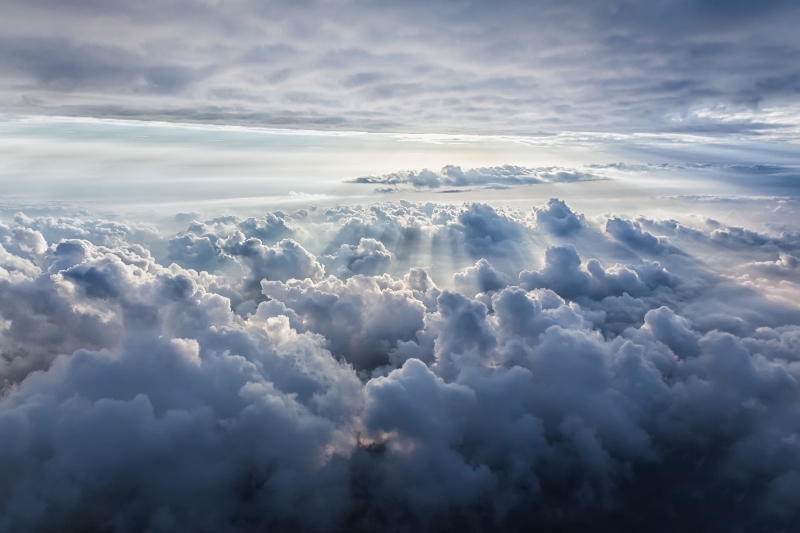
(325, 382)
(501, 176)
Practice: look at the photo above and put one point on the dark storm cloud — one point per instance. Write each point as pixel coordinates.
(516, 67)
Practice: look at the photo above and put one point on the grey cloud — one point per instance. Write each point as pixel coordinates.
(517, 68)
(363, 318)
(485, 231)
(60, 65)
(557, 218)
(481, 277)
(286, 260)
(110, 432)
(786, 267)
(564, 273)
(632, 234)
(140, 394)
(191, 251)
(672, 330)
(369, 257)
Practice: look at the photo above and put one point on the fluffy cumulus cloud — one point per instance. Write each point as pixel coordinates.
(481, 277)
(557, 218)
(493, 177)
(410, 367)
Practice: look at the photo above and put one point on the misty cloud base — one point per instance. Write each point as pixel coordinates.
(303, 372)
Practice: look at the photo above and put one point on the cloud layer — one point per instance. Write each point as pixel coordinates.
(398, 366)
(495, 177)
(454, 66)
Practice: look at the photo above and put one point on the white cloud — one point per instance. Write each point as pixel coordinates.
(324, 384)
(501, 176)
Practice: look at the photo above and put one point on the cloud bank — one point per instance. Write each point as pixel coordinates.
(413, 367)
(502, 176)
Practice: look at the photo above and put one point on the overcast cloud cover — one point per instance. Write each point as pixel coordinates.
(335, 266)
(446, 66)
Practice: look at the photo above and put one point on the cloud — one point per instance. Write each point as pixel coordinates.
(481, 277)
(502, 176)
(485, 232)
(786, 267)
(760, 177)
(557, 218)
(502, 71)
(564, 273)
(363, 318)
(286, 260)
(632, 234)
(60, 65)
(325, 384)
(369, 257)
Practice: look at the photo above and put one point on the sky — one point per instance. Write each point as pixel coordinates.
(415, 67)
(348, 265)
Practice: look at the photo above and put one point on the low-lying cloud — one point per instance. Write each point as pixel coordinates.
(414, 367)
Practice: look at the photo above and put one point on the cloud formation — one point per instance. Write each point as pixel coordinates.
(324, 384)
(502, 176)
(696, 66)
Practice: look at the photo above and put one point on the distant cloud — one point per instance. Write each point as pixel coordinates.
(763, 178)
(495, 177)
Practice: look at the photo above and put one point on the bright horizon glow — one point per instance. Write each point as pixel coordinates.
(127, 165)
